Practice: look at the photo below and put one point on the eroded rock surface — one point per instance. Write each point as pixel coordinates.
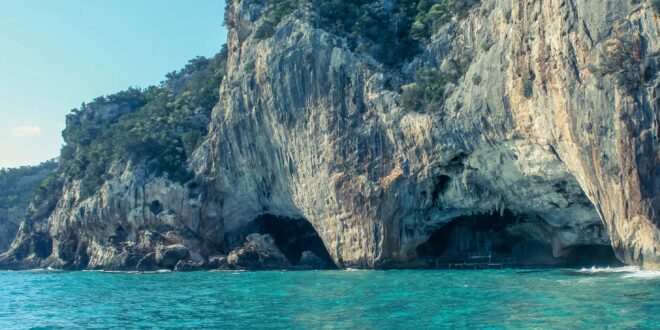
(540, 134)
(170, 256)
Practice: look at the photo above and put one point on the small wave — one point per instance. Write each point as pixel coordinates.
(354, 270)
(644, 274)
(45, 270)
(119, 272)
(626, 271)
(609, 270)
(161, 271)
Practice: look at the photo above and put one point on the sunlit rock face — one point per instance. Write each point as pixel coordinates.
(307, 128)
(545, 157)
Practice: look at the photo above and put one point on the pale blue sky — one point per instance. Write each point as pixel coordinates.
(56, 54)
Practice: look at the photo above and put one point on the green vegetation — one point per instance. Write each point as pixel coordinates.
(278, 10)
(427, 91)
(385, 33)
(17, 185)
(390, 33)
(159, 125)
(434, 14)
(620, 58)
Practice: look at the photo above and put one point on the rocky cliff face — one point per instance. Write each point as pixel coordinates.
(307, 128)
(544, 149)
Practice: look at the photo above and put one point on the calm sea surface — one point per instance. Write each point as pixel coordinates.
(561, 299)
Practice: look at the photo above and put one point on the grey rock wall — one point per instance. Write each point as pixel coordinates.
(306, 128)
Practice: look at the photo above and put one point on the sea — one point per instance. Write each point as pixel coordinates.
(590, 298)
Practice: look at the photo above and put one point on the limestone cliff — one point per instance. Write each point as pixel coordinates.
(544, 147)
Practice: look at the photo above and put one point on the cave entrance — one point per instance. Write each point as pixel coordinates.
(293, 236)
(500, 236)
(470, 236)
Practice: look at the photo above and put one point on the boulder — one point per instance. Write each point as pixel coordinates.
(189, 266)
(258, 253)
(218, 262)
(168, 256)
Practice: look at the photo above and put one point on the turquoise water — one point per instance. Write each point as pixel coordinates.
(332, 299)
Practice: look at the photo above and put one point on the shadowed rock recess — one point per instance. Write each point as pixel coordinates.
(521, 129)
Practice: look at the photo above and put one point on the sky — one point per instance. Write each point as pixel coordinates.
(56, 54)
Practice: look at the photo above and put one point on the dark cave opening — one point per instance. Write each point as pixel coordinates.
(469, 235)
(43, 245)
(293, 236)
(491, 236)
(155, 207)
(441, 184)
(591, 255)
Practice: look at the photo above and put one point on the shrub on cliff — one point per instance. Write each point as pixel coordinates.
(369, 26)
(620, 58)
(389, 31)
(159, 125)
(428, 89)
(273, 16)
(434, 14)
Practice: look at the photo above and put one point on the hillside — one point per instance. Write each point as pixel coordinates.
(17, 187)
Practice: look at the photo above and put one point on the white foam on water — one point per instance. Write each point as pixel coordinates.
(354, 270)
(626, 271)
(119, 271)
(644, 274)
(161, 271)
(222, 271)
(45, 270)
(37, 270)
(609, 270)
